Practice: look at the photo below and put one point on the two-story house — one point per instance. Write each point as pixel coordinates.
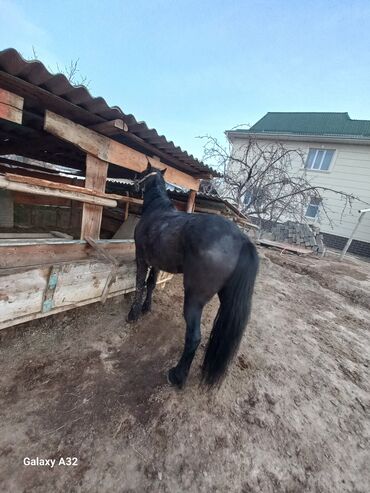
(336, 155)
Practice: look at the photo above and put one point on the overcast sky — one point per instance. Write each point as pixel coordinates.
(193, 67)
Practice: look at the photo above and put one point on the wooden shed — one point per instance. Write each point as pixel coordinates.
(59, 147)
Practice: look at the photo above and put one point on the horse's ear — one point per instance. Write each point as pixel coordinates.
(163, 171)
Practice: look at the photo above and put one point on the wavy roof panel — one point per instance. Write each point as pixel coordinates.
(35, 73)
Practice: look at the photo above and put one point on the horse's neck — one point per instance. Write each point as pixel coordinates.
(156, 198)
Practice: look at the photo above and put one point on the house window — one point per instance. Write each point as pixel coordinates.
(319, 159)
(312, 211)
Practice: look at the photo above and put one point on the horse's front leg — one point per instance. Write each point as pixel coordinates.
(141, 273)
(150, 285)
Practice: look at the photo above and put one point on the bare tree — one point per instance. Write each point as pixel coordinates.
(268, 181)
(71, 71)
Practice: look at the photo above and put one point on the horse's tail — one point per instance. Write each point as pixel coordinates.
(232, 316)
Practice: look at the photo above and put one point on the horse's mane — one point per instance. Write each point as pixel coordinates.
(155, 195)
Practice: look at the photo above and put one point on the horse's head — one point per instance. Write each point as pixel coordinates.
(148, 177)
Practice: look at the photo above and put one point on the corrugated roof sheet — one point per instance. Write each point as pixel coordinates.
(35, 73)
(323, 124)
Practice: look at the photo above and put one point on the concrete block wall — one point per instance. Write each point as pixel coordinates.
(299, 234)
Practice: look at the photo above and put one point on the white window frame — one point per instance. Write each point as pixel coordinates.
(324, 151)
(317, 205)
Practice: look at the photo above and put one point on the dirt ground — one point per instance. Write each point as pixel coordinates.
(292, 415)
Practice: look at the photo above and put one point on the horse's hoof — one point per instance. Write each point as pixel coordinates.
(146, 309)
(173, 379)
(131, 317)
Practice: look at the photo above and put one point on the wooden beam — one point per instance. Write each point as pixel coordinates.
(30, 255)
(156, 151)
(245, 223)
(285, 246)
(111, 127)
(57, 157)
(10, 114)
(32, 180)
(38, 190)
(43, 98)
(130, 200)
(60, 234)
(59, 185)
(16, 235)
(44, 175)
(11, 99)
(109, 150)
(191, 201)
(39, 167)
(37, 97)
(96, 176)
(19, 241)
(37, 236)
(11, 106)
(28, 199)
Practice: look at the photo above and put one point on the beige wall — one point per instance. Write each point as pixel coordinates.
(349, 172)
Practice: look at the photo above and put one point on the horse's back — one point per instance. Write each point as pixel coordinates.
(213, 246)
(205, 247)
(210, 227)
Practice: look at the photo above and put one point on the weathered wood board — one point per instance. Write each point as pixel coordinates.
(21, 294)
(290, 247)
(77, 283)
(111, 151)
(58, 250)
(41, 291)
(61, 282)
(11, 106)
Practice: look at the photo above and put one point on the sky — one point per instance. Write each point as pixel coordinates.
(195, 67)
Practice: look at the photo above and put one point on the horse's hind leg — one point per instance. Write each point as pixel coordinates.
(150, 285)
(192, 313)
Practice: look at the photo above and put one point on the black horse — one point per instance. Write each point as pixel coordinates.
(214, 256)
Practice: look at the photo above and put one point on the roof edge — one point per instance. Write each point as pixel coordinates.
(353, 139)
(35, 72)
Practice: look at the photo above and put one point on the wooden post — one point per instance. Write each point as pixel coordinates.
(191, 201)
(96, 175)
(126, 211)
